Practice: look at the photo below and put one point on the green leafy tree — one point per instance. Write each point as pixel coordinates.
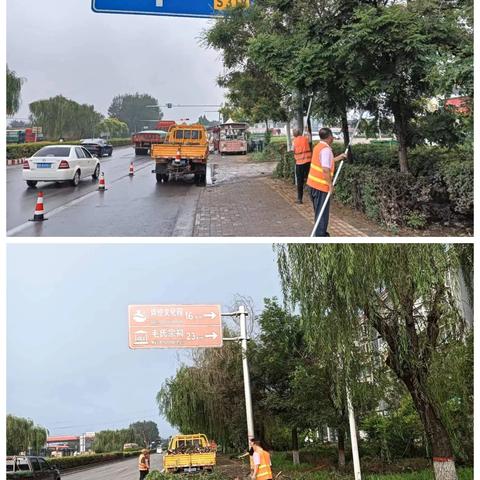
(24, 436)
(14, 89)
(113, 440)
(391, 51)
(403, 294)
(113, 127)
(135, 110)
(145, 432)
(208, 396)
(60, 117)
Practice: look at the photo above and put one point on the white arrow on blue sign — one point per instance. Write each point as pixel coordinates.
(174, 8)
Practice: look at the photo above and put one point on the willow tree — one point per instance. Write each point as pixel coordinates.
(405, 294)
(14, 88)
(207, 396)
(23, 435)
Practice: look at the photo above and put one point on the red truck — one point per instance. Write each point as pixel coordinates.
(144, 140)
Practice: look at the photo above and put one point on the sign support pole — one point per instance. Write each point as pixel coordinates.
(246, 373)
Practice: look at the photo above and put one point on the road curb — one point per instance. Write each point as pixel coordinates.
(15, 161)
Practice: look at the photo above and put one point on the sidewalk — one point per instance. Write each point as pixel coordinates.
(262, 206)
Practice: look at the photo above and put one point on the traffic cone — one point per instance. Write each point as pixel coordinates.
(101, 183)
(130, 172)
(177, 157)
(39, 214)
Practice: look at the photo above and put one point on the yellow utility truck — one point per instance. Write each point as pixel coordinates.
(185, 151)
(189, 453)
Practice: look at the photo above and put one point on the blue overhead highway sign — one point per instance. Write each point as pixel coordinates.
(175, 8)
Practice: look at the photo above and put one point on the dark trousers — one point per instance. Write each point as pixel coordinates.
(301, 172)
(143, 474)
(318, 199)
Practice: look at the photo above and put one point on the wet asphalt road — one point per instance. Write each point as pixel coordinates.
(131, 206)
(123, 470)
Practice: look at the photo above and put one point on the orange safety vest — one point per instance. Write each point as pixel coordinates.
(143, 463)
(264, 471)
(301, 150)
(316, 177)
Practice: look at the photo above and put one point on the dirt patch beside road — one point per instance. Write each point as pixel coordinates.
(232, 467)
(230, 168)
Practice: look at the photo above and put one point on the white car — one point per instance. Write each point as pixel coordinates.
(60, 163)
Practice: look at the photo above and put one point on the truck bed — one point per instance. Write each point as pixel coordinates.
(178, 461)
(167, 151)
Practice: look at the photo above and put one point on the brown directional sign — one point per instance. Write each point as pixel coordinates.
(174, 326)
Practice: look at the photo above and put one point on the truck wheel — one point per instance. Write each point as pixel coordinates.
(139, 151)
(165, 177)
(159, 177)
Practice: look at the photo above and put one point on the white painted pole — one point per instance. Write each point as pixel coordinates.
(246, 373)
(353, 437)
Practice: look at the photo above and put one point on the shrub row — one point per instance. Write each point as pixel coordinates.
(64, 463)
(24, 150)
(437, 189)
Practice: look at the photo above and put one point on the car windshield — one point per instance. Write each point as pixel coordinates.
(53, 152)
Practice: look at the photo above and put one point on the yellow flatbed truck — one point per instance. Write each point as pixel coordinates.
(185, 151)
(189, 453)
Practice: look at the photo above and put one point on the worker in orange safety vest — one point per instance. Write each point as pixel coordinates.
(320, 178)
(261, 462)
(303, 156)
(144, 463)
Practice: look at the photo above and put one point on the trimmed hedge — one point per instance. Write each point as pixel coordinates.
(437, 190)
(64, 463)
(25, 150)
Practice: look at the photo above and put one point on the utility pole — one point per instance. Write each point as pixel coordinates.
(246, 373)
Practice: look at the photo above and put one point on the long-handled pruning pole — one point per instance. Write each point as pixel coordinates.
(325, 203)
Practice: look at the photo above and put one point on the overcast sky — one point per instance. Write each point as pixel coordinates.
(69, 367)
(63, 47)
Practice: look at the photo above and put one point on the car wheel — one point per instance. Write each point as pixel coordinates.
(110, 153)
(32, 183)
(96, 173)
(76, 178)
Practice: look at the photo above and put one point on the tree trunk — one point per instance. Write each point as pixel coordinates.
(341, 448)
(401, 129)
(299, 112)
(442, 452)
(444, 469)
(295, 452)
(345, 132)
(416, 382)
